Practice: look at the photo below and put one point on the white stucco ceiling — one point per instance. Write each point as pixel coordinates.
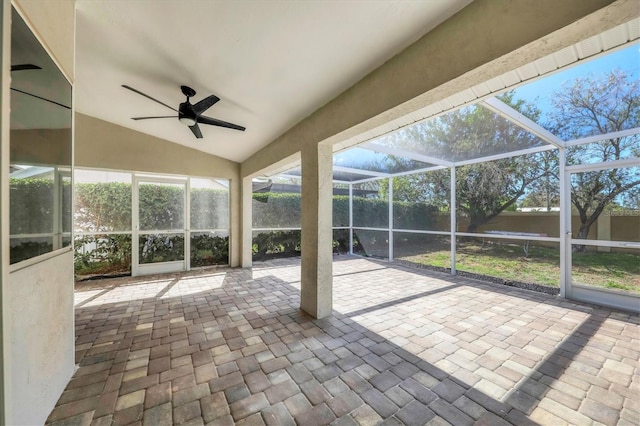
(271, 62)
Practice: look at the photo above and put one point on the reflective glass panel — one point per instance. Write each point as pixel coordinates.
(40, 148)
(26, 248)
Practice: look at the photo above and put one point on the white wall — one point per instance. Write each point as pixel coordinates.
(40, 336)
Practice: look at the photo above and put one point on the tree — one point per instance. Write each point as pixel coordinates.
(590, 106)
(483, 190)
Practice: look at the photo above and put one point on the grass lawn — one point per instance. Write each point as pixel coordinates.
(620, 271)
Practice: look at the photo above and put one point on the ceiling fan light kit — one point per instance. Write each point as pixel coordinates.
(190, 114)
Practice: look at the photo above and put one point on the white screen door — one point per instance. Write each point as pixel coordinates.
(603, 257)
(160, 226)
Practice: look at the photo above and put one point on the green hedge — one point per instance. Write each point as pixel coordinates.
(31, 206)
(106, 207)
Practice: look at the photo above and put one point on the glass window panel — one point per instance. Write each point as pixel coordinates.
(155, 248)
(422, 249)
(209, 248)
(595, 97)
(66, 206)
(40, 146)
(276, 244)
(510, 261)
(371, 243)
(28, 247)
(517, 194)
(103, 201)
(371, 204)
(31, 200)
(606, 204)
(421, 201)
(277, 204)
(361, 158)
(606, 268)
(209, 204)
(161, 206)
(103, 255)
(467, 133)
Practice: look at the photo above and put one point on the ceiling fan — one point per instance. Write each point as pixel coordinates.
(190, 114)
(27, 67)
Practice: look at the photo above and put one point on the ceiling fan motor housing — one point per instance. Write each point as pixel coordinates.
(186, 114)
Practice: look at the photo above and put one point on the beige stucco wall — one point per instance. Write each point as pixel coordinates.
(41, 146)
(100, 144)
(41, 345)
(482, 41)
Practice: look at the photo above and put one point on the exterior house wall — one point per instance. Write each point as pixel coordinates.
(37, 299)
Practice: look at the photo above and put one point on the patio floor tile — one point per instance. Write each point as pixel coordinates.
(403, 346)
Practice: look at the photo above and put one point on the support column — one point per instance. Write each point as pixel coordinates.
(604, 230)
(316, 293)
(235, 221)
(247, 222)
(453, 208)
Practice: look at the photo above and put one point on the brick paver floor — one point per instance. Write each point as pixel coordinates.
(404, 346)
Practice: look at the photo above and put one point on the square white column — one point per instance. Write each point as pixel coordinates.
(316, 296)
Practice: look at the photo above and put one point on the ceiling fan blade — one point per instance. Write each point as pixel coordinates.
(149, 118)
(22, 67)
(205, 104)
(196, 131)
(41, 98)
(148, 97)
(220, 123)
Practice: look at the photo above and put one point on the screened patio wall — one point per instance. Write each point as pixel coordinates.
(502, 141)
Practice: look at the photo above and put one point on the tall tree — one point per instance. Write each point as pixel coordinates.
(591, 106)
(483, 190)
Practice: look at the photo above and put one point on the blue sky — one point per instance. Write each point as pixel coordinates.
(627, 59)
(539, 91)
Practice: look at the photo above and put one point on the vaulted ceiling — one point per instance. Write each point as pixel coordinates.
(272, 63)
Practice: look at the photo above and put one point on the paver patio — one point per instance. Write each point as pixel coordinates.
(404, 346)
